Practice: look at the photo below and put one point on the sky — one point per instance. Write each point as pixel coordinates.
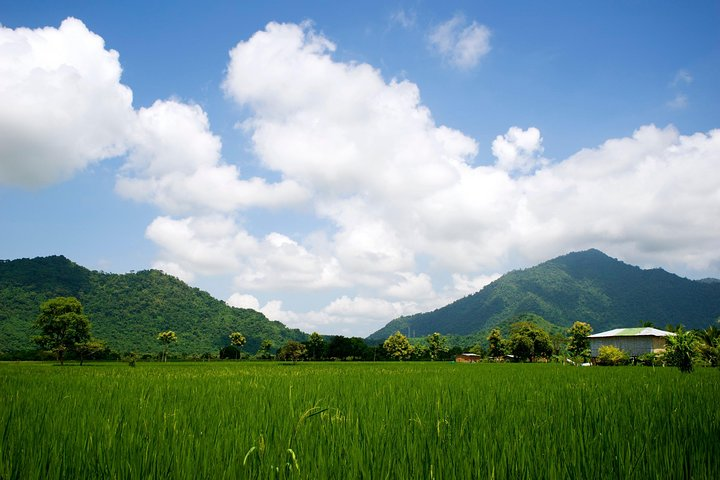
(336, 165)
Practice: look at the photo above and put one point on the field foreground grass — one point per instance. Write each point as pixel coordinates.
(355, 420)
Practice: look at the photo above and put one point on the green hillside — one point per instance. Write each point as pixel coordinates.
(127, 311)
(588, 286)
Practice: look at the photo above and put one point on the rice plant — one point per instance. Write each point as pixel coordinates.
(355, 420)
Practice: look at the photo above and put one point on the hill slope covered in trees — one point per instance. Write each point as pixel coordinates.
(584, 286)
(127, 311)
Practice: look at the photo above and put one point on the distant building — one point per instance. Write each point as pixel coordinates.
(468, 358)
(633, 341)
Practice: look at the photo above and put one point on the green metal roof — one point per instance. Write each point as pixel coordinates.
(632, 332)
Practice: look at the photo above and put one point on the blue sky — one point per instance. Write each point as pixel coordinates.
(336, 166)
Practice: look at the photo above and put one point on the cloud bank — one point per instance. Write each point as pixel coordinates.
(403, 218)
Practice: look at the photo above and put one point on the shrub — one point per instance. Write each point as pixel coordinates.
(612, 356)
(650, 359)
(131, 358)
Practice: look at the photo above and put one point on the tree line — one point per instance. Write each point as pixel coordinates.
(65, 330)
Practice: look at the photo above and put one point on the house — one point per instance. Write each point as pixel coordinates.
(633, 341)
(467, 358)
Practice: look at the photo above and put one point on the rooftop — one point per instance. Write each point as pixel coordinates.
(633, 332)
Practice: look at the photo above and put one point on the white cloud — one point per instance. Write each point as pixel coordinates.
(282, 263)
(398, 202)
(404, 18)
(172, 268)
(465, 285)
(646, 196)
(63, 106)
(349, 316)
(175, 163)
(519, 150)
(412, 287)
(679, 102)
(240, 300)
(682, 77)
(395, 187)
(207, 245)
(461, 45)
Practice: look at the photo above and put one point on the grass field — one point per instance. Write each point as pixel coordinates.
(357, 420)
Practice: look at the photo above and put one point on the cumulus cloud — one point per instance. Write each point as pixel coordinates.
(648, 196)
(393, 187)
(519, 150)
(405, 220)
(281, 262)
(460, 44)
(208, 245)
(466, 285)
(240, 300)
(175, 163)
(63, 106)
(350, 316)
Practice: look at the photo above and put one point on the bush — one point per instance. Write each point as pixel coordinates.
(612, 356)
(131, 358)
(650, 359)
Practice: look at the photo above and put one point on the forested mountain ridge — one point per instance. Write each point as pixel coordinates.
(128, 310)
(587, 286)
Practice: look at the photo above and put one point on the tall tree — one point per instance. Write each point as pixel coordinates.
(528, 341)
(316, 346)
(165, 339)
(437, 345)
(579, 343)
(398, 346)
(62, 326)
(495, 340)
(238, 341)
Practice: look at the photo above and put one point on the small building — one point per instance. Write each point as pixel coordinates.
(468, 358)
(633, 341)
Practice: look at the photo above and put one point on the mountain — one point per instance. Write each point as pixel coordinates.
(127, 311)
(588, 286)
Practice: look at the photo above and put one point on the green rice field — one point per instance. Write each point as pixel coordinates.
(357, 421)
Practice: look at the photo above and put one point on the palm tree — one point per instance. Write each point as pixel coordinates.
(709, 345)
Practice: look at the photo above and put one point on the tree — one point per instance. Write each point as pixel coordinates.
(316, 346)
(527, 341)
(437, 345)
(708, 345)
(579, 343)
(89, 348)
(238, 340)
(62, 326)
(263, 352)
(495, 340)
(166, 338)
(292, 350)
(230, 352)
(680, 350)
(398, 346)
(348, 348)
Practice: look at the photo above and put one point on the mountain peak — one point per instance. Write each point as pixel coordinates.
(588, 285)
